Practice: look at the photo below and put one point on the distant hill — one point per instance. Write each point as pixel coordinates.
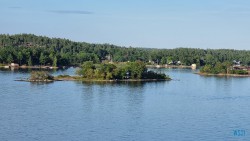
(30, 49)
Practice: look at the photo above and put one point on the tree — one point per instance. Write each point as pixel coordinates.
(10, 59)
(30, 61)
(137, 69)
(55, 62)
(164, 60)
(51, 57)
(40, 76)
(20, 57)
(169, 60)
(87, 69)
(1, 56)
(206, 69)
(42, 59)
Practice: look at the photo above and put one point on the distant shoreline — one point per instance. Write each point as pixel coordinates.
(169, 66)
(222, 74)
(31, 67)
(51, 67)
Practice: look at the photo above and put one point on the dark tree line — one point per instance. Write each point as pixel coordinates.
(30, 49)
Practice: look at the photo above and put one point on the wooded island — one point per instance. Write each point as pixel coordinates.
(131, 71)
(226, 68)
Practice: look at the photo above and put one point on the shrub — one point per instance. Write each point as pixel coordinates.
(40, 76)
(241, 72)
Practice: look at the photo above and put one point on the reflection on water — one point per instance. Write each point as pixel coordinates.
(112, 83)
(191, 107)
(70, 70)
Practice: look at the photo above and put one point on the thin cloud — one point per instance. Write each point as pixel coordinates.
(80, 12)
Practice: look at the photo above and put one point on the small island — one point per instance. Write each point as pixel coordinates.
(39, 76)
(224, 69)
(130, 71)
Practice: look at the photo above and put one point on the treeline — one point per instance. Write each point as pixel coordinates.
(30, 49)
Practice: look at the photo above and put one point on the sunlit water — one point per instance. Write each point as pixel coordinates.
(190, 107)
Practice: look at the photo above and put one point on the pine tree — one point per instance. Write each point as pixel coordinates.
(20, 57)
(30, 62)
(10, 58)
(55, 62)
(42, 59)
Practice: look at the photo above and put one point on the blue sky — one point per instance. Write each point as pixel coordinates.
(137, 23)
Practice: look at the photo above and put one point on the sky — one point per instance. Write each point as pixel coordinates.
(138, 23)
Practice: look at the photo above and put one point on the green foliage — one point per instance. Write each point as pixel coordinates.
(55, 61)
(164, 60)
(223, 68)
(87, 70)
(136, 69)
(10, 58)
(43, 50)
(30, 62)
(206, 69)
(63, 76)
(19, 57)
(154, 75)
(40, 76)
(241, 72)
(107, 71)
(215, 69)
(42, 59)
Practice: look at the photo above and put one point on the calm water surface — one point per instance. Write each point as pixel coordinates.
(190, 107)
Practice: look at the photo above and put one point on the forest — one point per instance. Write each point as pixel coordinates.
(29, 49)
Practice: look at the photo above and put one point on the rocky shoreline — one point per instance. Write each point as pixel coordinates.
(76, 78)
